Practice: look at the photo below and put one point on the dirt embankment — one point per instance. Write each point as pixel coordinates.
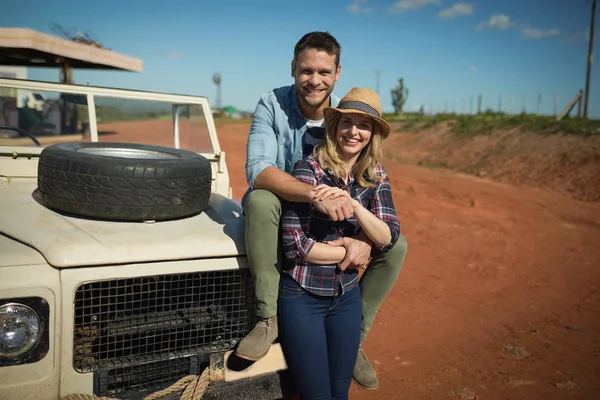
(565, 164)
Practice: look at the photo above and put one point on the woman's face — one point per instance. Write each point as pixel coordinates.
(353, 134)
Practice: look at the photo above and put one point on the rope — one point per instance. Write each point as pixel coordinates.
(193, 387)
(196, 388)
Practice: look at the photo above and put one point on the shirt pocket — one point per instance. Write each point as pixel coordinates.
(284, 157)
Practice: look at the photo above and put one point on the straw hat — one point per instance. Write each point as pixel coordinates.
(360, 101)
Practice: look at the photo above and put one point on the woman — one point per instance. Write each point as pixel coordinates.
(319, 304)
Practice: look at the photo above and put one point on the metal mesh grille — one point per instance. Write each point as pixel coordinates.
(144, 378)
(125, 321)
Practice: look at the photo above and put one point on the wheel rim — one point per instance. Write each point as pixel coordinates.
(127, 153)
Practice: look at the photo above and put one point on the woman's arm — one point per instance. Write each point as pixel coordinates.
(372, 226)
(378, 221)
(322, 253)
(382, 206)
(375, 229)
(295, 224)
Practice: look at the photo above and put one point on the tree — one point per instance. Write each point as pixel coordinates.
(399, 96)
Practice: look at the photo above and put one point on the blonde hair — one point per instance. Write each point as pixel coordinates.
(365, 169)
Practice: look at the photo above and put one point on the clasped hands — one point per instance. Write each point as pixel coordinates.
(338, 205)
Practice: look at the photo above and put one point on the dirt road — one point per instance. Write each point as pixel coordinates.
(499, 297)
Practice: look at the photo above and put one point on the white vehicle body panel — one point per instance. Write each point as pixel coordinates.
(39, 380)
(13, 253)
(67, 241)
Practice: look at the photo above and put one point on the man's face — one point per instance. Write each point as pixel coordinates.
(315, 74)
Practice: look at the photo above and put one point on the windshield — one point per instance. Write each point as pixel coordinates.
(120, 116)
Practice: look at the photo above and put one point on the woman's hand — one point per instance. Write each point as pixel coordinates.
(324, 191)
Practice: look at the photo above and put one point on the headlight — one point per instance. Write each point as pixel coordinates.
(20, 329)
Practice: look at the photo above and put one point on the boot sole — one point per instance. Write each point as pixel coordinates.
(364, 387)
(248, 357)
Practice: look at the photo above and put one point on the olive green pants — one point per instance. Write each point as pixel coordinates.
(263, 247)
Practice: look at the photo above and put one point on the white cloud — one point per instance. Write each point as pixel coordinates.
(407, 5)
(456, 10)
(357, 8)
(585, 36)
(531, 33)
(497, 21)
(176, 54)
(503, 22)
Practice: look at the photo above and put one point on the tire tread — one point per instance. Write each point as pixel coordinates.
(124, 189)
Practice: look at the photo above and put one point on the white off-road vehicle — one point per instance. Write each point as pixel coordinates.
(122, 255)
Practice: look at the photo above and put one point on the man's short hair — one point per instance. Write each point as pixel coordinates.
(320, 41)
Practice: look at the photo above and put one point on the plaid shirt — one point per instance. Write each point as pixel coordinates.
(303, 225)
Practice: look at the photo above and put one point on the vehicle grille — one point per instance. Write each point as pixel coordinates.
(143, 379)
(127, 322)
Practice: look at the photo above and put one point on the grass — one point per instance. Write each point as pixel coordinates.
(488, 122)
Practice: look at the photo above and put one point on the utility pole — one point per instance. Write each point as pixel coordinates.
(589, 60)
(377, 81)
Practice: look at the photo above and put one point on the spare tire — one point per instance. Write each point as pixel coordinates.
(123, 181)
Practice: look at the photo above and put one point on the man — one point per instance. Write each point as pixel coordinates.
(288, 122)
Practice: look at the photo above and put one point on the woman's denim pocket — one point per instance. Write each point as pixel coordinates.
(289, 289)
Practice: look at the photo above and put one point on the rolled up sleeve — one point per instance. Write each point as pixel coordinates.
(295, 218)
(261, 148)
(382, 206)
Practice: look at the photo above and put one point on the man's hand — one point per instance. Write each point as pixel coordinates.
(358, 252)
(338, 209)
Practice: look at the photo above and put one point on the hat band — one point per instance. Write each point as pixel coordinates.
(359, 105)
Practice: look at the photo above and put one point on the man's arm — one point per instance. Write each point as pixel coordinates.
(284, 185)
(263, 173)
(358, 250)
(261, 155)
(261, 147)
(291, 189)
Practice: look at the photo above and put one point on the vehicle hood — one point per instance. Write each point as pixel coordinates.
(13, 253)
(70, 241)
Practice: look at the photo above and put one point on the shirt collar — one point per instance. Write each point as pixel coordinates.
(339, 181)
(351, 179)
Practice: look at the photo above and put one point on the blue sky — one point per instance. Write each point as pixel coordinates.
(447, 52)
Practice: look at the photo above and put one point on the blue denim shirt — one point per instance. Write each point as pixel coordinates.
(276, 136)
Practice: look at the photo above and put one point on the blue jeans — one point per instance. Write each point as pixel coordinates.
(320, 338)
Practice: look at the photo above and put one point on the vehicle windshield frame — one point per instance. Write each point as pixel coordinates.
(91, 92)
